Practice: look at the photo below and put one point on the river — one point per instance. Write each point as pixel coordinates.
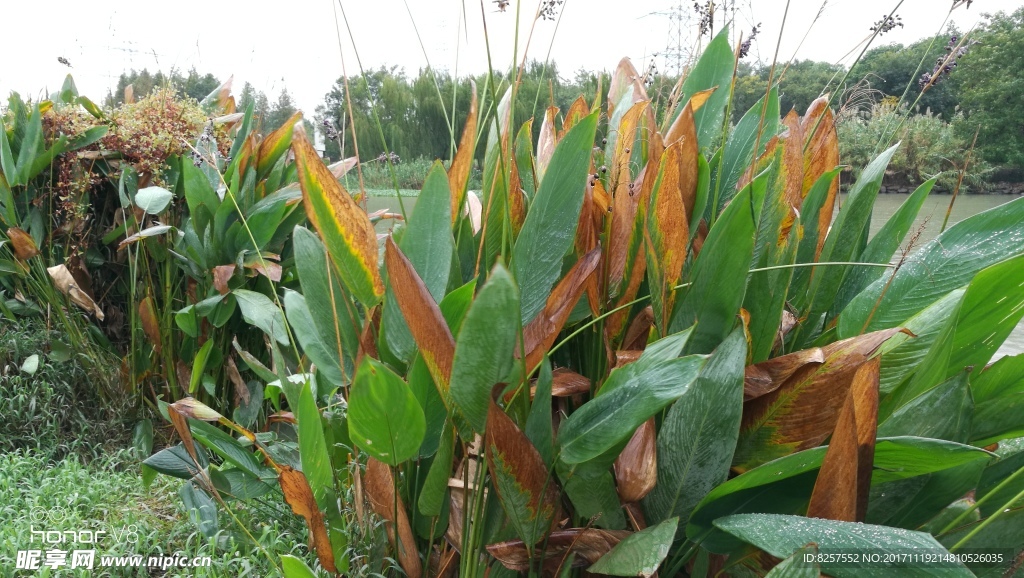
(929, 221)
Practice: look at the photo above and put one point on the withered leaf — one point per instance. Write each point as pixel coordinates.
(379, 486)
(636, 468)
(587, 544)
(300, 497)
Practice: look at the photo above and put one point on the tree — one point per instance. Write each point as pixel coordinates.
(282, 110)
(890, 69)
(990, 79)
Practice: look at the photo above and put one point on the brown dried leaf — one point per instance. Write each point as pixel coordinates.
(150, 323)
(667, 232)
(639, 330)
(65, 282)
(841, 490)
(540, 333)
(342, 167)
(268, 269)
(625, 196)
(636, 468)
(379, 486)
(241, 389)
(769, 375)
(423, 316)
(803, 412)
(821, 154)
(587, 544)
(626, 356)
(546, 142)
(24, 246)
(221, 275)
(300, 497)
(793, 160)
(577, 110)
(458, 173)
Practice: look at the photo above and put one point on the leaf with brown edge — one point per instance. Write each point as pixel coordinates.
(546, 142)
(769, 375)
(379, 485)
(636, 468)
(221, 275)
(516, 198)
(587, 544)
(841, 490)
(821, 154)
(540, 333)
(275, 144)
(803, 412)
(625, 197)
(527, 491)
(177, 417)
(684, 131)
(344, 227)
(587, 239)
(24, 246)
(624, 79)
(150, 323)
(577, 110)
(626, 356)
(342, 167)
(636, 266)
(299, 496)
(422, 315)
(458, 172)
(667, 235)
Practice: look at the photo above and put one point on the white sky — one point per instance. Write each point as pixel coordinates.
(295, 43)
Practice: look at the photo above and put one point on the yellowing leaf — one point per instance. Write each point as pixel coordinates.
(458, 172)
(344, 227)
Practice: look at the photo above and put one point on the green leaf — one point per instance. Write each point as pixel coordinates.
(999, 401)
(550, 226)
(90, 106)
(882, 246)
(630, 396)
(175, 461)
(142, 438)
(260, 311)
(781, 536)
(739, 149)
(796, 567)
(316, 462)
(713, 69)
(538, 423)
(31, 364)
(199, 365)
(321, 353)
(293, 567)
(640, 553)
(943, 412)
(784, 485)
(153, 200)
(428, 244)
(202, 510)
(1005, 533)
(842, 242)
(230, 449)
(435, 487)
(333, 312)
(485, 346)
(7, 159)
(31, 147)
(912, 502)
(524, 158)
(698, 435)
(720, 271)
(384, 418)
(90, 136)
(203, 202)
(68, 91)
(944, 264)
(809, 213)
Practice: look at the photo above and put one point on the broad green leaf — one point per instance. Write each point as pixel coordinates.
(321, 353)
(912, 502)
(524, 159)
(882, 246)
(593, 496)
(943, 412)
(807, 251)
(994, 487)
(384, 418)
(89, 136)
(229, 449)
(784, 485)
(260, 311)
(944, 264)
(435, 487)
(1004, 534)
(630, 396)
(343, 225)
(31, 147)
(796, 566)
(538, 423)
(334, 315)
(640, 553)
(7, 164)
(991, 308)
(720, 272)
(902, 355)
(842, 242)
(781, 536)
(142, 438)
(202, 510)
(31, 364)
(316, 463)
(739, 152)
(203, 202)
(175, 461)
(550, 226)
(698, 434)
(294, 567)
(999, 401)
(428, 244)
(485, 346)
(199, 365)
(713, 70)
(153, 200)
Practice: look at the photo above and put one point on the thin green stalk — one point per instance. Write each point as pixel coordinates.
(984, 524)
(963, 515)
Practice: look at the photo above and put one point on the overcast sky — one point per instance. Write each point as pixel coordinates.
(295, 43)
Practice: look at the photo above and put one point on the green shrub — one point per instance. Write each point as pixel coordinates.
(931, 147)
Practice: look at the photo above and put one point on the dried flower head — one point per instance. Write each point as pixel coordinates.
(887, 23)
(945, 65)
(549, 9)
(745, 47)
(502, 4)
